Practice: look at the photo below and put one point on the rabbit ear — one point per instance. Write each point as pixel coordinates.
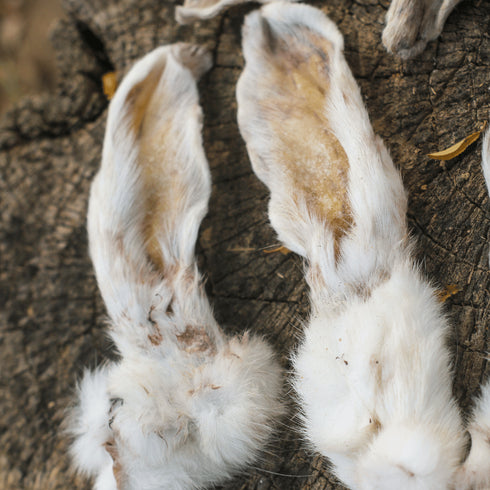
(151, 193)
(411, 24)
(310, 141)
(183, 406)
(193, 10)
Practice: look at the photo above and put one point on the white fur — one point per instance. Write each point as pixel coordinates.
(411, 24)
(89, 423)
(185, 406)
(475, 472)
(193, 10)
(485, 158)
(485, 163)
(372, 373)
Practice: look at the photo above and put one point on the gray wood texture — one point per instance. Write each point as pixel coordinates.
(51, 314)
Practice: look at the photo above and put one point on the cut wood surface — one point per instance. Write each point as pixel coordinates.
(52, 318)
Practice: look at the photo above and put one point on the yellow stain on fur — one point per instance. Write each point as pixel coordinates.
(111, 447)
(304, 149)
(139, 97)
(196, 340)
(161, 174)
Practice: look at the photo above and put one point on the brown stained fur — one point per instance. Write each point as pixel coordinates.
(111, 448)
(139, 97)
(372, 429)
(364, 290)
(161, 183)
(407, 471)
(138, 101)
(196, 339)
(376, 424)
(155, 338)
(156, 158)
(311, 158)
(377, 371)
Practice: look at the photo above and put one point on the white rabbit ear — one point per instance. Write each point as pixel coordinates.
(151, 193)
(309, 137)
(411, 24)
(193, 10)
(485, 158)
(184, 406)
(282, 96)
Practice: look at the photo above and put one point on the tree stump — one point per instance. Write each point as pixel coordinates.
(52, 318)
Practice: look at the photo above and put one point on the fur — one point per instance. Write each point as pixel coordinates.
(485, 158)
(474, 474)
(372, 372)
(185, 406)
(193, 10)
(411, 24)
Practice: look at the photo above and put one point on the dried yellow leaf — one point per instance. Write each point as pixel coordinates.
(109, 84)
(206, 236)
(282, 249)
(456, 149)
(447, 292)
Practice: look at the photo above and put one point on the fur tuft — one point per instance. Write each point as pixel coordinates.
(474, 474)
(411, 24)
(89, 424)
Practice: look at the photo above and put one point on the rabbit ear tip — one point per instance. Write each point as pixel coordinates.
(180, 16)
(195, 57)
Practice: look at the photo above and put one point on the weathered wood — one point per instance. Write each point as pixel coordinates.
(52, 317)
